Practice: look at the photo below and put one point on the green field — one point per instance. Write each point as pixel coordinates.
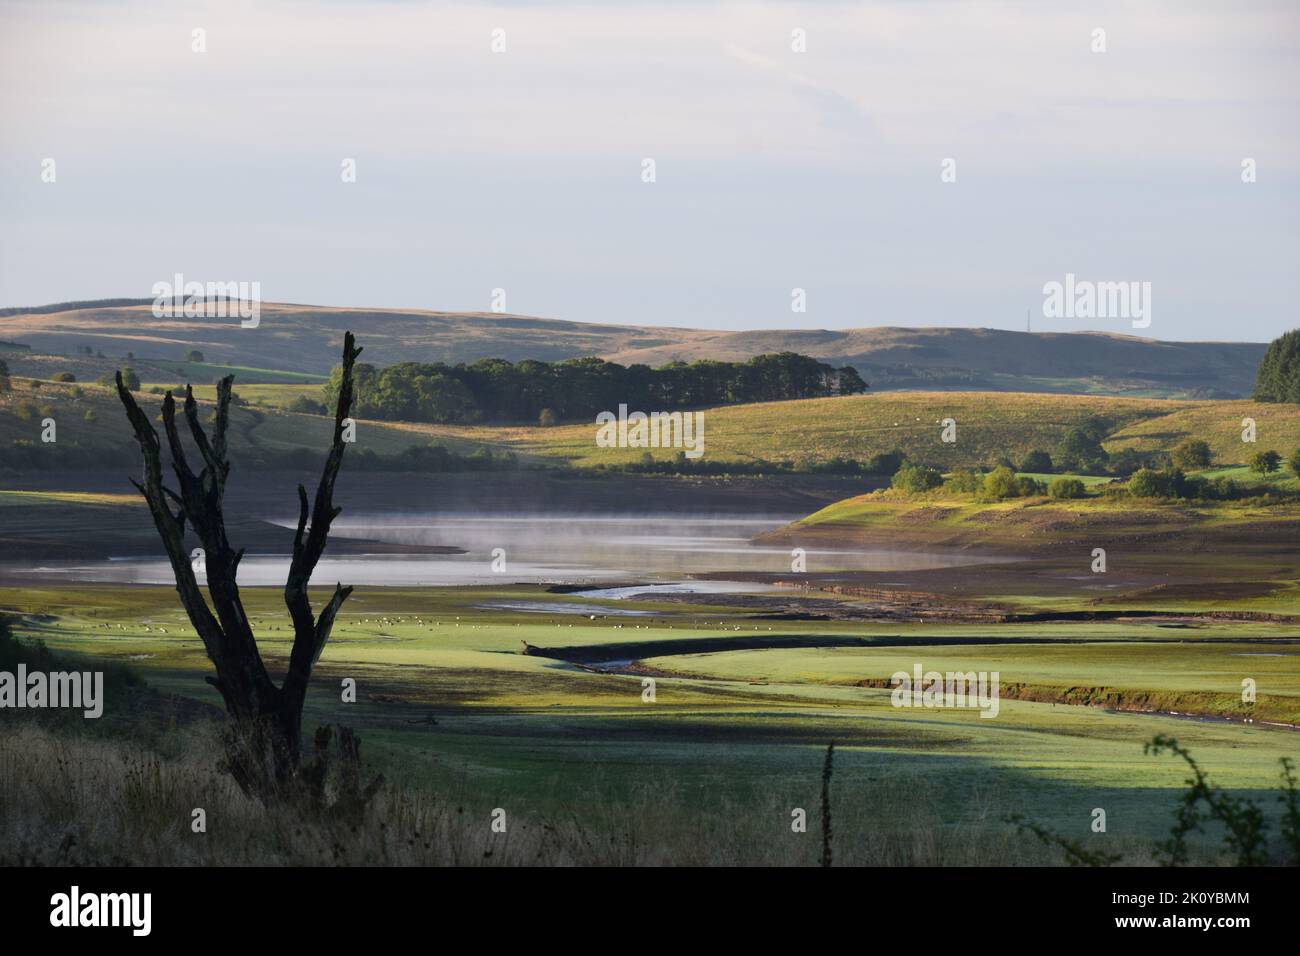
(204, 372)
(447, 701)
(273, 396)
(990, 425)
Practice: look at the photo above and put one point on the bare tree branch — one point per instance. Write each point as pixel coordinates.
(265, 754)
(309, 541)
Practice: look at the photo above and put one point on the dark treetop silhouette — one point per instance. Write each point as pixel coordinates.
(264, 747)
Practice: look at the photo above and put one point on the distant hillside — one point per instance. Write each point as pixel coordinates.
(306, 339)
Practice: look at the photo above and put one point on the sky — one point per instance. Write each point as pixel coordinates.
(903, 163)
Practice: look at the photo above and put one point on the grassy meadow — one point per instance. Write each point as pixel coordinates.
(990, 425)
(461, 722)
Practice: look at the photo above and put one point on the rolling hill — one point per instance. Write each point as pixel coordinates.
(305, 340)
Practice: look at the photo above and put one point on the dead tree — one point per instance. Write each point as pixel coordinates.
(264, 747)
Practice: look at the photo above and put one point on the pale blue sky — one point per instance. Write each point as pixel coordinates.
(776, 169)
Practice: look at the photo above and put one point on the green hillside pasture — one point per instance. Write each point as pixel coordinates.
(263, 396)
(989, 425)
(202, 372)
(1277, 427)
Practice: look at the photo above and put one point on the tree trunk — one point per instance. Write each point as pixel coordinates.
(264, 747)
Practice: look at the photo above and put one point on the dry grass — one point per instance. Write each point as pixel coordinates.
(82, 801)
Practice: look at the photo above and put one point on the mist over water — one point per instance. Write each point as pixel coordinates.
(656, 548)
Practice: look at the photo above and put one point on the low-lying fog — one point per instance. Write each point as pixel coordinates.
(567, 549)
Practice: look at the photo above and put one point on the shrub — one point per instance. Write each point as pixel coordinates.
(915, 479)
(25, 410)
(1225, 488)
(547, 417)
(1037, 461)
(1192, 454)
(306, 406)
(1000, 483)
(91, 416)
(1124, 462)
(885, 463)
(1067, 488)
(1294, 462)
(195, 356)
(965, 481)
(65, 377)
(1265, 462)
(130, 379)
(1147, 483)
(1026, 487)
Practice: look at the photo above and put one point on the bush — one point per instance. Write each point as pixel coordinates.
(1000, 483)
(1146, 483)
(547, 417)
(885, 463)
(965, 481)
(65, 377)
(306, 406)
(90, 416)
(130, 379)
(1224, 489)
(1294, 462)
(1037, 461)
(1265, 462)
(1124, 462)
(915, 479)
(1067, 488)
(1192, 454)
(1026, 487)
(195, 356)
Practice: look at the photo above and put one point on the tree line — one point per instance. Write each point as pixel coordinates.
(495, 390)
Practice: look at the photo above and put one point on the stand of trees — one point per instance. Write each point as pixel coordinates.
(1278, 378)
(501, 391)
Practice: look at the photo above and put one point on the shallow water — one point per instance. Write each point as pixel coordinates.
(563, 549)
